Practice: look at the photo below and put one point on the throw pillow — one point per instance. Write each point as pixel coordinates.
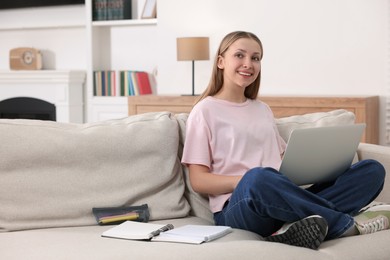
(52, 174)
(336, 117)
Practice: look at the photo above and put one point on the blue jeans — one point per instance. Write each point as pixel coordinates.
(264, 199)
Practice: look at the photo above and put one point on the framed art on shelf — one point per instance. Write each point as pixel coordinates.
(150, 9)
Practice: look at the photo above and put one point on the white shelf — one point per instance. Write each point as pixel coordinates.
(60, 17)
(132, 22)
(105, 47)
(39, 76)
(41, 26)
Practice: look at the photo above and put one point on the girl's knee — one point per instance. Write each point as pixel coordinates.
(263, 183)
(374, 167)
(260, 176)
(371, 171)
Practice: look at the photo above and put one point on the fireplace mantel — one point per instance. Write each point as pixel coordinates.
(64, 89)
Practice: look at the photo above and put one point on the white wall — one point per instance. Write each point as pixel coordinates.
(326, 47)
(59, 32)
(312, 47)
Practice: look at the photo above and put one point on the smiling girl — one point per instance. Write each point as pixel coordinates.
(233, 151)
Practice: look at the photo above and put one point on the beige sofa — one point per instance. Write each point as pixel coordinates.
(53, 174)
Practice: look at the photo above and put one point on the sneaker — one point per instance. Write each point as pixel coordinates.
(373, 219)
(308, 232)
(374, 205)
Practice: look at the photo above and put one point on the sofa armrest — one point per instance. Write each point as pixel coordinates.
(382, 155)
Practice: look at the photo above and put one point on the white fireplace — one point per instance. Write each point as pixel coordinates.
(64, 89)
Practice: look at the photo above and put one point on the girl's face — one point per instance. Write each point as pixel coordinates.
(240, 63)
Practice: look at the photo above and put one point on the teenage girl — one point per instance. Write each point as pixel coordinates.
(233, 151)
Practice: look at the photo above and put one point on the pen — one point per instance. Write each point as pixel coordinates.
(162, 229)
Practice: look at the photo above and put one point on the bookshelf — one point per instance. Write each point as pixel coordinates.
(113, 45)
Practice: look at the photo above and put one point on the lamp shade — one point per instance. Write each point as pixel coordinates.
(192, 48)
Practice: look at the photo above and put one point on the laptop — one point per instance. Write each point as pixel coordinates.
(321, 154)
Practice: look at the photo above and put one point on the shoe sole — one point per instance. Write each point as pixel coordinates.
(376, 207)
(308, 232)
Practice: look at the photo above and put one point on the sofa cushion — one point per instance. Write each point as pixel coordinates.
(81, 243)
(52, 174)
(199, 202)
(332, 118)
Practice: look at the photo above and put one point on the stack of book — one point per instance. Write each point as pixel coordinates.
(131, 83)
(134, 83)
(111, 9)
(104, 83)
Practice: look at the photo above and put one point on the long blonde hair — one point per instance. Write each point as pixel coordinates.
(216, 81)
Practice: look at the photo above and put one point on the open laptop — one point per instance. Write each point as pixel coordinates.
(315, 155)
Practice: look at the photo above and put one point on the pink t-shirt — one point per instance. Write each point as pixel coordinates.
(231, 138)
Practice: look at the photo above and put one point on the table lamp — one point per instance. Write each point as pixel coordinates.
(193, 48)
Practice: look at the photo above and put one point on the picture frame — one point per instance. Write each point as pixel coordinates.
(150, 9)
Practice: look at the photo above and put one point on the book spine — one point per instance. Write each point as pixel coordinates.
(99, 11)
(108, 86)
(131, 84)
(134, 83)
(126, 9)
(127, 77)
(103, 83)
(143, 83)
(114, 85)
(112, 9)
(121, 83)
(94, 83)
(99, 83)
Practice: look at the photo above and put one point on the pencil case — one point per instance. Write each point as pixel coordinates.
(117, 215)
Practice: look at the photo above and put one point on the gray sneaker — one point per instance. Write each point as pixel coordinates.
(308, 232)
(373, 219)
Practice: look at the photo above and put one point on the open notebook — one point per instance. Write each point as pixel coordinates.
(192, 234)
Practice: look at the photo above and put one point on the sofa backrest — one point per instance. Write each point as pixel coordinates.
(199, 202)
(52, 174)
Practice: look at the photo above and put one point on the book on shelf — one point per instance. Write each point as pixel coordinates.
(191, 234)
(134, 83)
(143, 83)
(131, 83)
(111, 10)
(104, 83)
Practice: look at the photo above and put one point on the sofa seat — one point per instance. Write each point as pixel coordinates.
(86, 243)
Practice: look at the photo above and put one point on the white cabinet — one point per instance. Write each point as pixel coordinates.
(117, 45)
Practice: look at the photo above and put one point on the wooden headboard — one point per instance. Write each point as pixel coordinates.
(365, 108)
